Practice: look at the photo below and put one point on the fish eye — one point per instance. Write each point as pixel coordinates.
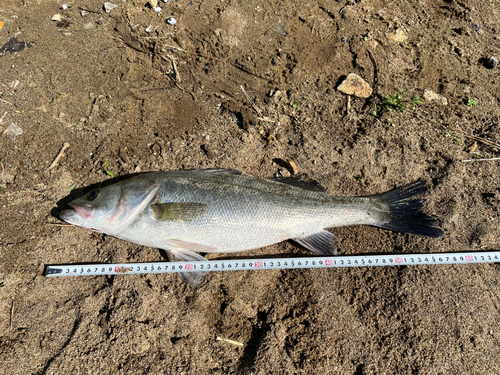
(92, 195)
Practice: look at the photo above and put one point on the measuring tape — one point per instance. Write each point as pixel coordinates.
(272, 264)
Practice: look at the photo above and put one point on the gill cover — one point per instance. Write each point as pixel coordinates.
(136, 194)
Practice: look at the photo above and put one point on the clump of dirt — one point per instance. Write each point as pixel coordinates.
(130, 92)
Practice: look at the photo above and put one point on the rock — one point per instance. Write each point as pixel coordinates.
(288, 164)
(89, 26)
(431, 96)
(279, 28)
(172, 21)
(355, 85)
(109, 6)
(56, 17)
(493, 61)
(398, 37)
(13, 131)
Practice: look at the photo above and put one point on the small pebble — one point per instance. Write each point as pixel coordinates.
(65, 7)
(171, 21)
(431, 96)
(158, 9)
(493, 61)
(13, 131)
(85, 13)
(150, 29)
(398, 37)
(279, 28)
(355, 85)
(475, 27)
(343, 40)
(109, 6)
(56, 17)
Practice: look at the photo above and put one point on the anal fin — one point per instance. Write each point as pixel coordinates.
(322, 243)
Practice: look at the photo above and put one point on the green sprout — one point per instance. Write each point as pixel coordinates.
(2, 189)
(294, 104)
(471, 102)
(395, 103)
(71, 187)
(59, 95)
(416, 101)
(109, 172)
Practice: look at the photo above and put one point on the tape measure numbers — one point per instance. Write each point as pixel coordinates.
(272, 264)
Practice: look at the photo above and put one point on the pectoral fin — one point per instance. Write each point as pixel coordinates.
(179, 211)
(320, 243)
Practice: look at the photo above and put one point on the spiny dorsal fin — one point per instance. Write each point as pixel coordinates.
(300, 183)
(179, 211)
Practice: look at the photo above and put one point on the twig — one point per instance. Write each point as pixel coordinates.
(11, 315)
(471, 160)
(59, 156)
(129, 44)
(5, 101)
(174, 66)
(485, 141)
(199, 53)
(229, 341)
(251, 102)
(261, 117)
(177, 76)
(60, 225)
(7, 87)
(461, 132)
(1, 118)
(88, 10)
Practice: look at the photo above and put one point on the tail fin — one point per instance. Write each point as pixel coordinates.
(406, 212)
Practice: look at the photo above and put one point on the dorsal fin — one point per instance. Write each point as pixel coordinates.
(216, 171)
(299, 182)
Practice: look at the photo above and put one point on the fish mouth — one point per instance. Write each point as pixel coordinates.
(84, 211)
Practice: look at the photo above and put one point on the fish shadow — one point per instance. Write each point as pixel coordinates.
(63, 204)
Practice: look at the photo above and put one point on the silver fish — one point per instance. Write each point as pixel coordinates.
(223, 211)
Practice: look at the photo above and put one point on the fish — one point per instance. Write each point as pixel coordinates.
(224, 211)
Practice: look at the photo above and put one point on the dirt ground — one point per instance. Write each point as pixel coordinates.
(127, 100)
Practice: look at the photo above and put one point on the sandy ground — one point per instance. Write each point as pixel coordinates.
(109, 89)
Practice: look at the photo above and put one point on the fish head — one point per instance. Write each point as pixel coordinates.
(112, 208)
